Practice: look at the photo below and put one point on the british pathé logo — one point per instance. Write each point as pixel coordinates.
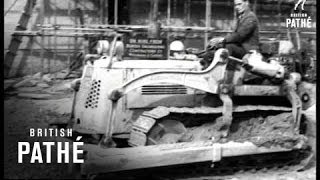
(298, 19)
(301, 3)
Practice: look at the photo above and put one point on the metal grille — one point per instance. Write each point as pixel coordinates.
(163, 89)
(93, 96)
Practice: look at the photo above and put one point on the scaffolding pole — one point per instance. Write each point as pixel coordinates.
(255, 6)
(42, 37)
(208, 20)
(49, 39)
(168, 24)
(107, 13)
(154, 26)
(30, 53)
(116, 12)
(279, 17)
(69, 14)
(102, 2)
(16, 40)
(55, 36)
(188, 2)
(76, 31)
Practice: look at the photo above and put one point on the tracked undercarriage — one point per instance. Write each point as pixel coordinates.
(189, 135)
(173, 125)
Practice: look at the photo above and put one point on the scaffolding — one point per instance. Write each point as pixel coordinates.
(79, 30)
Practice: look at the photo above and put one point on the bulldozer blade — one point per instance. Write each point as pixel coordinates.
(100, 160)
(307, 163)
(310, 115)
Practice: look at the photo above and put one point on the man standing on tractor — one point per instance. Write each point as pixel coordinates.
(246, 34)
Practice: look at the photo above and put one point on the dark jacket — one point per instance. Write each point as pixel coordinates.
(246, 32)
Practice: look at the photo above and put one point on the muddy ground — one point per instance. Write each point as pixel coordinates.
(23, 113)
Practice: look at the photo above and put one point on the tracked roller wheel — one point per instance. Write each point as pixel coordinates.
(166, 132)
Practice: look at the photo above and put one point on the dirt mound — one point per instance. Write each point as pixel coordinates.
(272, 130)
(262, 131)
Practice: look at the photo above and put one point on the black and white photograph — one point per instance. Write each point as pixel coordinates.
(160, 89)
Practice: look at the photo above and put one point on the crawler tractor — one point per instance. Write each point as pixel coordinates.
(136, 114)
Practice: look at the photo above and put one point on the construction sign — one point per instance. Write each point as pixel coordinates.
(145, 48)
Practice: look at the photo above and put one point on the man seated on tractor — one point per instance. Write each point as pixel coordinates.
(245, 36)
(244, 40)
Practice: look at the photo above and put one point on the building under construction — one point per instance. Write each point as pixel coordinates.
(48, 35)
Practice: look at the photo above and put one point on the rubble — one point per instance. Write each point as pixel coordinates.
(27, 77)
(47, 78)
(43, 85)
(60, 106)
(262, 131)
(74, 74)
(62, 87)
(34, 96)
(61, 75)
(49, 84)
(37, 75)
(29, 89)
(272, 130)
(65, 74)
(29, 82)
(8, 84)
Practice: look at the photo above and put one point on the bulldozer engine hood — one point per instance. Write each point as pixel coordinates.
(156, 64)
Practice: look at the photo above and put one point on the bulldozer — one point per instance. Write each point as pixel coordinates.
(140, 114)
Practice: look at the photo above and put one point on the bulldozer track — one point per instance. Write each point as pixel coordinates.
(147, 119)
(162, 111)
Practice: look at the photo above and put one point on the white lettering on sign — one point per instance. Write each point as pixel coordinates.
(146, 48)
(142, 40)
(132, 41)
